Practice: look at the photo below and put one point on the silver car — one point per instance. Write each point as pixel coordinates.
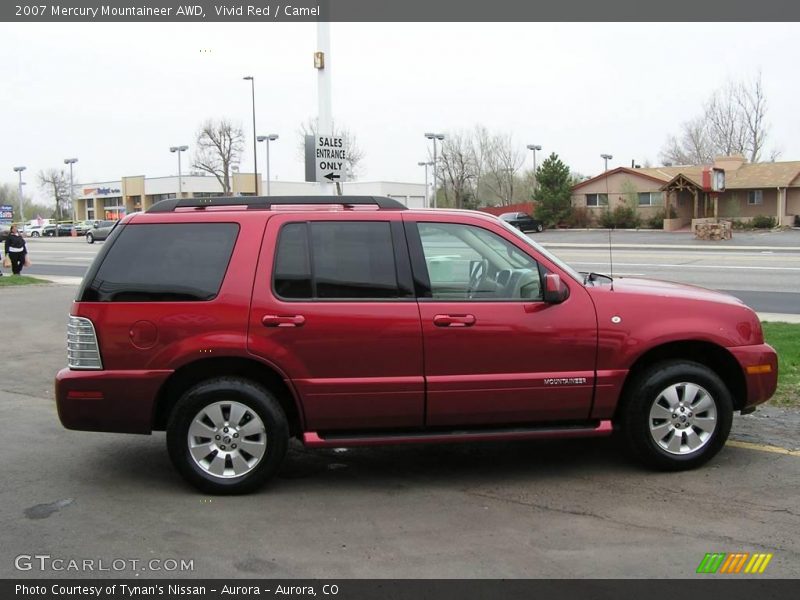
(100, 231)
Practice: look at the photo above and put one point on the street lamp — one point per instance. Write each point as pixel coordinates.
(268, 138)
(534, 147)
(252, 81)
(434, 137)
(70, 162)
(426, 165)
(179, 149)
(606, 158)
(21, 201)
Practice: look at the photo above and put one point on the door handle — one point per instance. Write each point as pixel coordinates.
(454, 320)
(283, 321)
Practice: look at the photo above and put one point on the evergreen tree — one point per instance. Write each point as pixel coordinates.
(553, 204)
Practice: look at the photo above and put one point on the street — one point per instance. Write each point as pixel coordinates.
(763, 269)
(511, 510)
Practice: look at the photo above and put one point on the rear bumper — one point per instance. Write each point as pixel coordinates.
(760, 367)
(114, 401)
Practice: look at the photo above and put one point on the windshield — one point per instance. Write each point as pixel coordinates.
(549, 255)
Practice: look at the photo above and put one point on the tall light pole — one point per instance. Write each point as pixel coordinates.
(434, 137)
(179, 149)
(606, 158)
(252, 81)
(70, 162)
(268, 138)
(534, 147)
(21, 201)
(426, 165)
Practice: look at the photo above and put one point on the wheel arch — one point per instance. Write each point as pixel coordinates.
(713, 356)
(201, 370)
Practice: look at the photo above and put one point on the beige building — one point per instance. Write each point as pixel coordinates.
(114, 199)
(768, 189)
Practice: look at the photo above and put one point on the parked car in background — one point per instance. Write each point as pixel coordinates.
(4, 230)
(522, 221)
(83, 227)
(59, 230)
(35, 231)
(100, 231)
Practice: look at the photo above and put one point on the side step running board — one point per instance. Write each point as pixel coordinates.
(312, 439)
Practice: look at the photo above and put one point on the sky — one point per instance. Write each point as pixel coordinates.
(118, 95)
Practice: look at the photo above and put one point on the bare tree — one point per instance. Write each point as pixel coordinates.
(56, 182)
(349, 141)
(733, 122)
(693, 148)
(220, 144)
(457, 169)
(503, 161)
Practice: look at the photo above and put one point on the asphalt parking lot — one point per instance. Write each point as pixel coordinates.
(511, 510)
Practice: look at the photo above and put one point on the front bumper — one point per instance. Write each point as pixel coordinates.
(113, 401)
(761, 381)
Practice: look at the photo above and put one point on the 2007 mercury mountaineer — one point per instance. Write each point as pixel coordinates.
(237, 323)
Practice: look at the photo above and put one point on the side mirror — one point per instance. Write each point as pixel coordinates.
(555, 290)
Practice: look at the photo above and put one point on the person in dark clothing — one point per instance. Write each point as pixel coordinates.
(16, 250)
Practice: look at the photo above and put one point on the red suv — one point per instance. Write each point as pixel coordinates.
(237, 323)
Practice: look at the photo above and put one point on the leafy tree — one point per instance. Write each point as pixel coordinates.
(220, 144)
(553, 198)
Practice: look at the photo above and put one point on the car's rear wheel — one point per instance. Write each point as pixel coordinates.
(539, 228)
(227, 436)
(35, 234)
(676, 415)
(90, 238)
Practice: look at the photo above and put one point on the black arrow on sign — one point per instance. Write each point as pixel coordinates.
(330, 176)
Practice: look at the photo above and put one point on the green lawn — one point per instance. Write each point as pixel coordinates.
(785, 338)
(8, 280)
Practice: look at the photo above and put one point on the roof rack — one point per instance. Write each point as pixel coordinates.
(266, 202)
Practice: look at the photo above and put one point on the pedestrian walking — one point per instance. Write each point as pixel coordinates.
(16, 251)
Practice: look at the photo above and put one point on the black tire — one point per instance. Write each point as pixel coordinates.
(539, 228)
(646, 390)
(90, 238)
(242, 391)
(35, 234)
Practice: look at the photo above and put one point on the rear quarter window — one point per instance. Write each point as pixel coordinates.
(176, 262)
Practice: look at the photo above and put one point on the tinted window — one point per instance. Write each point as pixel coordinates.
(292, 265)
(336, 260)
(157, 263)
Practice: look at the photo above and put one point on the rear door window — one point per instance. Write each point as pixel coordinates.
(336, 260)
(164, 262)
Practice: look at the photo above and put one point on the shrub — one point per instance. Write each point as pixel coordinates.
(580, 217)
(763, 222)
(657, 220)
(622, 217)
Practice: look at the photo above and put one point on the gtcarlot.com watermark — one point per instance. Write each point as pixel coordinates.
(57, 564)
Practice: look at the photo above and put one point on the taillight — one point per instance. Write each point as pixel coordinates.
(82, 349)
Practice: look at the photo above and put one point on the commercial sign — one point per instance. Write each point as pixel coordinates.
(325, 158)
(102, 191)
(6, 214)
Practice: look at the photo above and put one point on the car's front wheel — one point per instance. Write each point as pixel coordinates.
(227, 436)
(676, 415)
(35, 234)
(89, 238)
(539, 228)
